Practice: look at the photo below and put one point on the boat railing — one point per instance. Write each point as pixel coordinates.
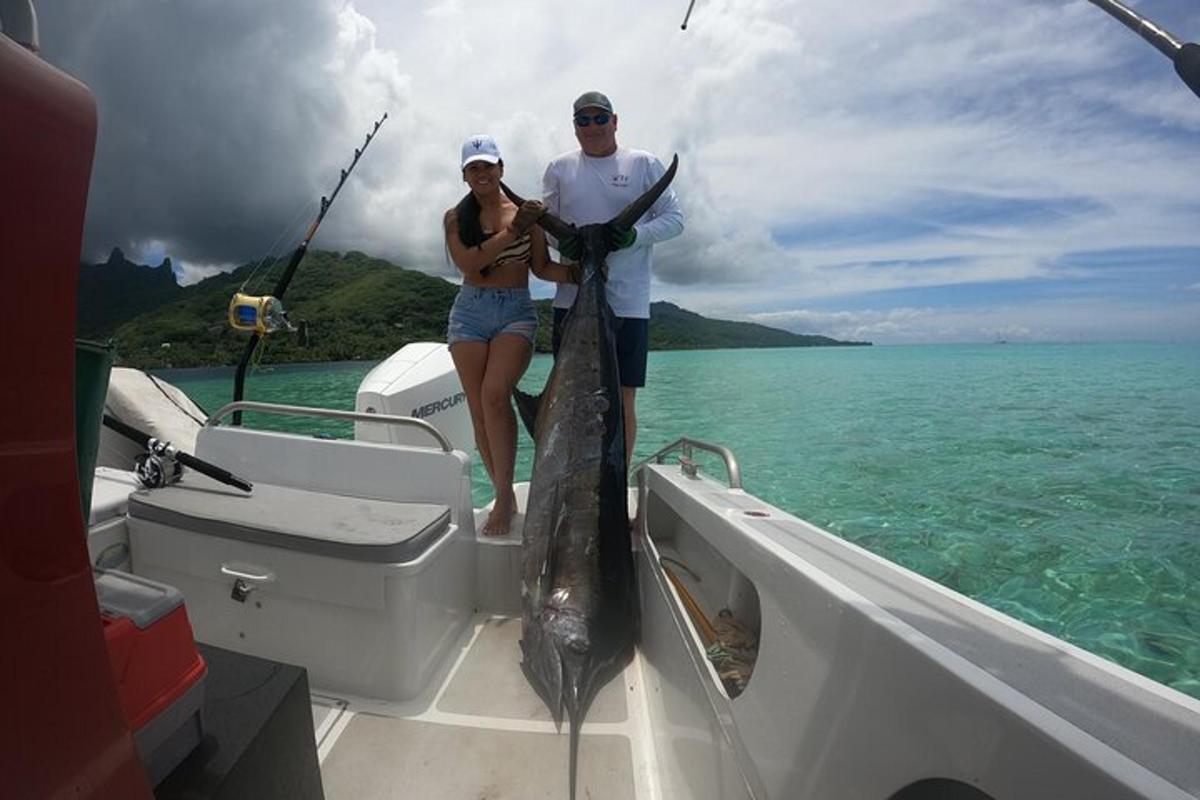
(688, 464)
(328, 413)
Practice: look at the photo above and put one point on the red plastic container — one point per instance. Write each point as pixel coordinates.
(153, 667)
(157, 669)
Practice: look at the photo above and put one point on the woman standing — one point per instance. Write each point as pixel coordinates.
(492, 322)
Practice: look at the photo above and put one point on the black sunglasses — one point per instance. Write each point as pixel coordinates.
(583, 120)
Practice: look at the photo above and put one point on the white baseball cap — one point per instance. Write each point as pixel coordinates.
(480, 147)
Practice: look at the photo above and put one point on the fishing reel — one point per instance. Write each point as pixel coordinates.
(158, 466)
(261, 314)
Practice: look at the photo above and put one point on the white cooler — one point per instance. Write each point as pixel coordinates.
(368, 595)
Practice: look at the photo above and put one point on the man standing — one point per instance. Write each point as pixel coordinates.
(592, 185)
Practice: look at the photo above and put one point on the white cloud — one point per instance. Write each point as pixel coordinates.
(885, 121)
(189, 272)
(822, 112)
(1062, 321)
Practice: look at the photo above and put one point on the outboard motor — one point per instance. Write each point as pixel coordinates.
(418, 380)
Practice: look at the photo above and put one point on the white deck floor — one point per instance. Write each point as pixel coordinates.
(482, 732)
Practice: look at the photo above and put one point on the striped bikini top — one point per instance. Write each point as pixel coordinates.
(517, 251)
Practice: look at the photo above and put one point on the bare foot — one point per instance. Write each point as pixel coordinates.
(500, 517)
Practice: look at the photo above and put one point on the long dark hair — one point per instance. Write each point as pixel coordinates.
(470, 230)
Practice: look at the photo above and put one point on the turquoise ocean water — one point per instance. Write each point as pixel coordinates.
(1059, 484)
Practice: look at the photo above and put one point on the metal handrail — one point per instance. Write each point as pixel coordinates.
(686, 444)
(328, 413)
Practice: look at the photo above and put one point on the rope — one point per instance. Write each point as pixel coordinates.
(707, 632)
(175, 402)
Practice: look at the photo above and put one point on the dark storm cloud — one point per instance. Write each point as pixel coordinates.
(211, 118)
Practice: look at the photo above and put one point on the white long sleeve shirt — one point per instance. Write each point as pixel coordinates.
(585, 189)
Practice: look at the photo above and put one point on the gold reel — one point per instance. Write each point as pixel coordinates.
(261, 314)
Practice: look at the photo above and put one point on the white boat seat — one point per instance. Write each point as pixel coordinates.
(352, 528)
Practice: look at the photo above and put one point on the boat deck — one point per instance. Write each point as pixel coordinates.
(482, 732)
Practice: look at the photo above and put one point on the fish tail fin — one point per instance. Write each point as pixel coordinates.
(527, 407)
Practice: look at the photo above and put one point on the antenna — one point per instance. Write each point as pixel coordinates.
(687, 16)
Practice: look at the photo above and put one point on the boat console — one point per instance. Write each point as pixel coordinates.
(776, 660)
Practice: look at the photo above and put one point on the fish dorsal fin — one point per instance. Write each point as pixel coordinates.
(527, 407)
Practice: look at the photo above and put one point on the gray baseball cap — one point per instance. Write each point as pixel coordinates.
(592, 100)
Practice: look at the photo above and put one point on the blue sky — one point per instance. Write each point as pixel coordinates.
(926, 171)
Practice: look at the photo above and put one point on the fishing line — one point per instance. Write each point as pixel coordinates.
(288, 232)
(259, 351)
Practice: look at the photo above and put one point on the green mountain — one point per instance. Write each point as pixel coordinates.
(118, 290)
(351, 306)
(675, 328)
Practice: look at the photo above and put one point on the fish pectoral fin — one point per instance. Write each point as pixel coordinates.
(548, 564)
(550, 561)
(527, 407)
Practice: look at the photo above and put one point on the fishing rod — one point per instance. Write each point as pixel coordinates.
(263, 315)
(156, 467)
(1184, 55)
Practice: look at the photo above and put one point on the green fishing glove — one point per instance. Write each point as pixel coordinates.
(529, 213)
(620, 238)
(571, 246)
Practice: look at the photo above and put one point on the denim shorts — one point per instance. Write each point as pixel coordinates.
(480, 315)
(633, 343)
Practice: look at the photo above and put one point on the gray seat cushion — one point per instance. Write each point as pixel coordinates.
(353, 528)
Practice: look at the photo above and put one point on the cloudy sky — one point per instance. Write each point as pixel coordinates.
(918, 171)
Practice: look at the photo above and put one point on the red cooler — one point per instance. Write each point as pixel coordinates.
(159, 674)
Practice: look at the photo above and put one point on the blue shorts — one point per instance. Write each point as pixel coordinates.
(633, 343)
(480, 315)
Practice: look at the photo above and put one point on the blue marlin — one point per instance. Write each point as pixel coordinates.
(579, 610)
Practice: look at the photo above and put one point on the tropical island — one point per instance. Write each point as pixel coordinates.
(351, 306)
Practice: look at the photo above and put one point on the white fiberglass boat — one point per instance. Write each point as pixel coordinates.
(359, 560)
(775, 661)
